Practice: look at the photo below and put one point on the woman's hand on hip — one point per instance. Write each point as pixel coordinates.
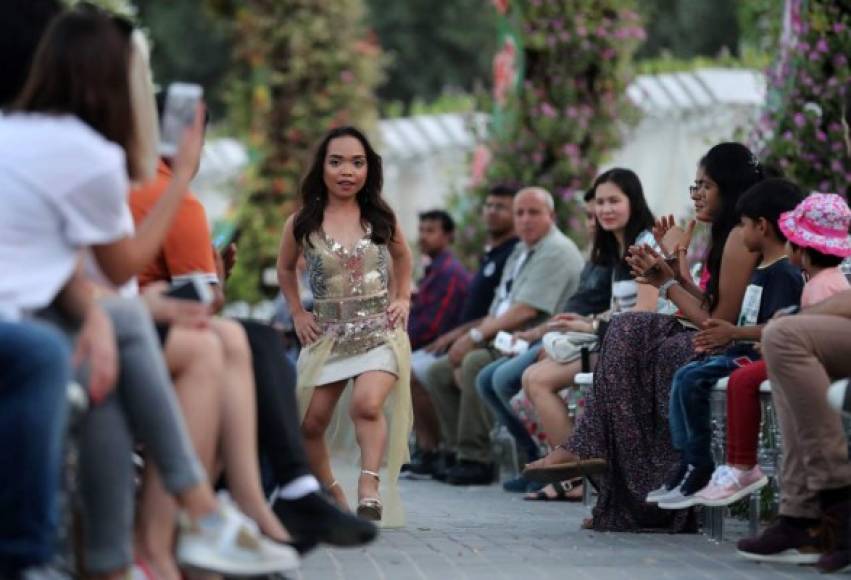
(398, 311)
(306, 327)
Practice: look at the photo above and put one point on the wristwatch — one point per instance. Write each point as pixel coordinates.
(663, 289)
(476, 336)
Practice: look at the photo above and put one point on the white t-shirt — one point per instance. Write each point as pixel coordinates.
(625, 290)
(63, 187)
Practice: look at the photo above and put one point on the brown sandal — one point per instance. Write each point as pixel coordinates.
(566, 471)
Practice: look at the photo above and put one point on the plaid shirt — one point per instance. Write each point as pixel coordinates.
(439, 301)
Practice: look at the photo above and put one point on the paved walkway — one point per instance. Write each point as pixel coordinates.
(485, 533)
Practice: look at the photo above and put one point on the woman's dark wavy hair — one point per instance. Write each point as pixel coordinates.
(606, 251)
(735, 169)
(314, 194)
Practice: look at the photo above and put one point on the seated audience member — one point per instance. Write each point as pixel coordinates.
(35, 367)
(539, 276)
(623, 220)
(775, 284)
(803, 353)
(502, 378)
(89, 140)
(817, 242)
(436, 308)
(297, 500)
(622, 438)
(499, 242)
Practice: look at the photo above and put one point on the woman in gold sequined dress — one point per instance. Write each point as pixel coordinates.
(359, 267)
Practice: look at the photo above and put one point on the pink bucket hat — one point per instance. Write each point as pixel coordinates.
(819, 222)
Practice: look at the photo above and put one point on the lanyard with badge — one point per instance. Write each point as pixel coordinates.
(504, 292)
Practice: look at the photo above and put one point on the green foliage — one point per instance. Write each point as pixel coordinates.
(749, 58)
(432, 47)
(690, 28)
(190, 44)
(301, 68)
(569, 109)
(801, 132)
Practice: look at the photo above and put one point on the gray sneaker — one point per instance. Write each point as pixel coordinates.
(671, 485)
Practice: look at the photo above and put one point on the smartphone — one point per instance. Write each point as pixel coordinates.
(192, 288)
(181, 103)
(225, 234)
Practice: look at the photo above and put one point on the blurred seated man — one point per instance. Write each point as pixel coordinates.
(436, 308)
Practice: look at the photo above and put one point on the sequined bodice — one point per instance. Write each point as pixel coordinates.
(336, 272)
(350, 290)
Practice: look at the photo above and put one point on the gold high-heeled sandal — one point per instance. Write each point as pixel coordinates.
(370, 508)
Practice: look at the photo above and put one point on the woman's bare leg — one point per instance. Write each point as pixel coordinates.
(367, 412)
(194, 358)
(239, 430)
(313, 427)
(542, 381)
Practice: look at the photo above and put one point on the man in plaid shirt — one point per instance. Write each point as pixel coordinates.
(438, 303)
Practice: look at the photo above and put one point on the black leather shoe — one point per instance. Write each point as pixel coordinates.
(422, 465)
(445, 462)
(313, 518)
(471, 473)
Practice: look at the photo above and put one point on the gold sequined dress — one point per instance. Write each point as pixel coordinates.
(351, 295)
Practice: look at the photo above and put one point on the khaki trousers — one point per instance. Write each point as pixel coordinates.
(465, 421)
(803, 353)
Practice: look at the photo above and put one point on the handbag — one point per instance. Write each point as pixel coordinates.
(565, 347)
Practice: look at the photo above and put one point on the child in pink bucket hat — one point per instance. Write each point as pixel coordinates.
(816, 241)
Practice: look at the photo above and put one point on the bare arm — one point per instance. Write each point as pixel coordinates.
(648, 298)
(402, 264)
(306, 328)
(737, 263)
(287, 259)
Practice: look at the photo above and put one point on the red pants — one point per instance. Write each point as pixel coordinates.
(743, 413)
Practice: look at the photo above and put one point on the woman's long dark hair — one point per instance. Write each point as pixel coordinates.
(735, 169)
(606, 251)
(314, 193)
(81, 68)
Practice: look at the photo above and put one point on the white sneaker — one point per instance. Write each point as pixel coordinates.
(838, 396)
(230, 543)
(676, 500)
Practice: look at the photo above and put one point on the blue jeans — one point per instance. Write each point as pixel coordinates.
(690, 414)
(497, 383)
(35, 367)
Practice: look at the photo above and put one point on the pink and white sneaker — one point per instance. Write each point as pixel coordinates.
(729, 485)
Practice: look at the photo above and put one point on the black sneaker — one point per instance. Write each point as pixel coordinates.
(313, 518)
(445, 462)
(471, 473)
(783, 543)
(423, 465)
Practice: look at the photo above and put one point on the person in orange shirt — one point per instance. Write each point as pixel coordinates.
(297, 499)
